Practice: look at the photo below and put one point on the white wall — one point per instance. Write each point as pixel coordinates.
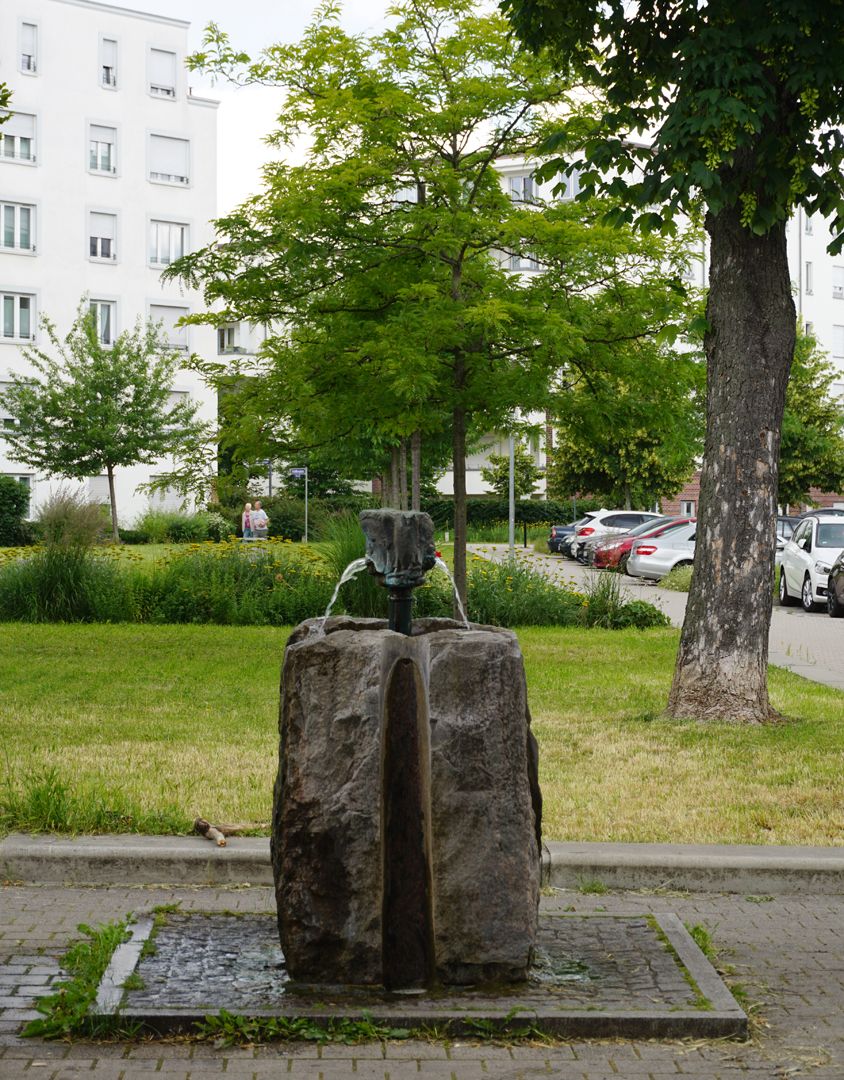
(67, 94)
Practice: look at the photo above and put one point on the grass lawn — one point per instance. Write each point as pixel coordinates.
(145, 727)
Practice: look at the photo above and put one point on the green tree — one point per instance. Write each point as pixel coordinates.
(740, 107)
(92, 408)
(630, 435)
(812, 451)
(526, 473)
(387, 253)
(14, 501)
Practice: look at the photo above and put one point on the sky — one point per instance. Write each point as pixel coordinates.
(247, 114)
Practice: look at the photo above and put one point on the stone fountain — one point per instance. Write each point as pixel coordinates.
(406, 843)
(405, 856)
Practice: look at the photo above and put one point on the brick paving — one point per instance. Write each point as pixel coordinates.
(787, 951)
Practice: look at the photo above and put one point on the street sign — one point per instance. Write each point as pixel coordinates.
(298, 474)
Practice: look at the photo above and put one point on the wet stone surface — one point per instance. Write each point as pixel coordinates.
(588, 962)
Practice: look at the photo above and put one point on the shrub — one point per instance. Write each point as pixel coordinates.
(68, 519)
(218, 527)
(604, 606)
(155, 525)
(505, 594)
(14, 500)
(65, 583)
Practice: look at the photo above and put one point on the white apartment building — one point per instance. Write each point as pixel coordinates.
(107, 174)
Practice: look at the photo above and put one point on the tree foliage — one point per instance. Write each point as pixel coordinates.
(89, 408)
(812, 450)
(526, 473)
(387, 253)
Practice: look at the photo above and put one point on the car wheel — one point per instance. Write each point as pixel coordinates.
(683, 562)
(807, 595)
(622, 564)
(836, 611)
(785, 599)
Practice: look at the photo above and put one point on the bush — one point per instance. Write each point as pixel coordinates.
(604, 606)
(14, 500)
(505, 594)
(65, 583)
(68, 519)
(485, 512)
(164, 526)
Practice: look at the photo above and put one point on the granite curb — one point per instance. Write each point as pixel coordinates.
(190, 860)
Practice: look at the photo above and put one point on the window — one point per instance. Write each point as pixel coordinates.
(162, 73)
(838, 342)
(168, 159)
(25, 481)
(102, 233)
(228, 339)
(102, 141)
(810, 278)
(18, 316)
(29, 48)
(108, 63)
(98, 490)
(167, 242)
(175, 336)
(104, 317)
(838, 282)
(570, 185)
(807, 225)
(522, 188)
(687, 508)
(809, 328)
(17, 138)
(523, 261)
(17, 227)
(167, 499)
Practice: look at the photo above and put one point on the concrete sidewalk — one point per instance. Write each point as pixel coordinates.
(788, 952)
(190, 860)
(808, 643)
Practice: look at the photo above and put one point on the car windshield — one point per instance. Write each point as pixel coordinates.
(831, 534)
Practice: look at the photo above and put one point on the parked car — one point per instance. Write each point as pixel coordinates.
(613, 551)
(835, 589)
(785, 527)
(560, 533)
(608, 523)
(653, 558)
(808, 558)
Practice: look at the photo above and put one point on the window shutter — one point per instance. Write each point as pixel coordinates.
(168, 156)
(103, 225)
(177, 336)
(19, 124)
(102, 134)
(109, 53)
(162, 68)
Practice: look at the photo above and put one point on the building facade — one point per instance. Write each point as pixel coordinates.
(108, 169)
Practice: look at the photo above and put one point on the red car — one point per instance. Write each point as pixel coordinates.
(612, 553)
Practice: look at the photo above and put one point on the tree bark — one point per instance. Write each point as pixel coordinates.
(416, 470)
(112, 498)
(394, 478)
(403, 475)
(458, 464)
(721, 671)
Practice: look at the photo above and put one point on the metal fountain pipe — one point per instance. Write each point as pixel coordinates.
(399, 553)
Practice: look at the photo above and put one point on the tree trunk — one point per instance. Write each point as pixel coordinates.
(403, 475)
(721, 671)
(628, 497)
(458, 464)
(416, 470)
(394, 478)
(112, 498)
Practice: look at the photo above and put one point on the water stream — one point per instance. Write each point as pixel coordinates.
(442, 565)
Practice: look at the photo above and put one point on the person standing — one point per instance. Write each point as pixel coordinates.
(246, 521)
(260, 522)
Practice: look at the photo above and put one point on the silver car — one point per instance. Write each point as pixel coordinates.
(807, 560)
(653, 558)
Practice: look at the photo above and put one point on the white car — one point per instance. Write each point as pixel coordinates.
(605, 523)
(807, 559)
(653, 557)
